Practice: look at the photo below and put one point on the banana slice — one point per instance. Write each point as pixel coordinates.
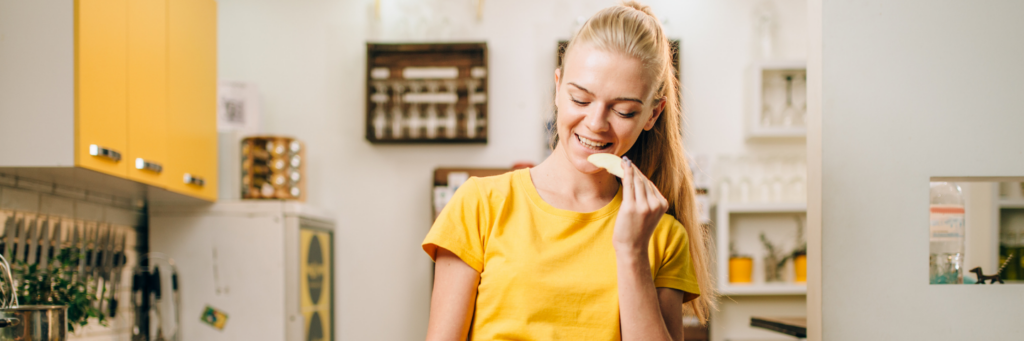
(607, 161)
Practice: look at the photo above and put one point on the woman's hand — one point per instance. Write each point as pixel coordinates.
(641, 209)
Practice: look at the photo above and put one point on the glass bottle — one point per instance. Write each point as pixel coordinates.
(946, 233)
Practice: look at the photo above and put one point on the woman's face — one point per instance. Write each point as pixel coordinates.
(603, 104)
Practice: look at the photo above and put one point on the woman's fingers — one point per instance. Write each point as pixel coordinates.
(652, 194)
(639, 188)
(627, 181)
(658, 202)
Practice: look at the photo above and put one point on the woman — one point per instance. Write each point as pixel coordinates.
(562, 251)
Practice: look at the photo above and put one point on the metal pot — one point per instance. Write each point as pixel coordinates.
(34, 322)
(29, 322)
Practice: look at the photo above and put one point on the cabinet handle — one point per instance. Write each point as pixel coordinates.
(194, 180)
(140, 163)
(96, 150)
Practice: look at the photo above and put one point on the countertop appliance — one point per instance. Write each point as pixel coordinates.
(267, 265)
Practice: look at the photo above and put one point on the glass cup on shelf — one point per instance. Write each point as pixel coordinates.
(773, 100)
(800, 99)
(790, 114)
(745, 184)
(775, 176)
(724, 170)
(761, 180)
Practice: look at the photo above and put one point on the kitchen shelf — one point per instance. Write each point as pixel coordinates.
(758, 132)
(1011, 203)
(762, 289)
(756, 207)
(755, 130)
(723, 238)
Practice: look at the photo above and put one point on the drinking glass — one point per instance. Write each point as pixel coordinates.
(789, 112)
(724, 170)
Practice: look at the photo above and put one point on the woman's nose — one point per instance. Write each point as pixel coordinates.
(597, 119)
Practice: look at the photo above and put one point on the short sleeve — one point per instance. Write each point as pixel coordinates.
(459, 226)
(676, 269)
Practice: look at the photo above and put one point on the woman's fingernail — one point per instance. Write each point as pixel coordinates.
(628, 162)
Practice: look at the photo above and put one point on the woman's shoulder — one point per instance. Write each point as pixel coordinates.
(671, 227)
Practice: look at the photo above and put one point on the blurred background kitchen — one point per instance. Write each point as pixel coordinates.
(267, 170)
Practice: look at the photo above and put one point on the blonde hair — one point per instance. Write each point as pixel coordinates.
(633, 30)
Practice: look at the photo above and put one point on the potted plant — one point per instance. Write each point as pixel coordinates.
(58, 283)
(774, 260)
(740, 266)
(800, 254)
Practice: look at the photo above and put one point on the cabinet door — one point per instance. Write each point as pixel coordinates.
(100, 85)
(147, 90)
(192, 97)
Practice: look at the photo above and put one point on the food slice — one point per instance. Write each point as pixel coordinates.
(607, 161)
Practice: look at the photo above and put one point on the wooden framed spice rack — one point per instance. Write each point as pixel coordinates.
(426, 93)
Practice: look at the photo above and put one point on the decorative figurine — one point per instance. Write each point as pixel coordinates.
(992, 278)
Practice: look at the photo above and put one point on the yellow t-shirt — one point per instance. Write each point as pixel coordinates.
(546, 273)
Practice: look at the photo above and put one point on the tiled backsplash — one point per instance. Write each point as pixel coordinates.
(51, 200)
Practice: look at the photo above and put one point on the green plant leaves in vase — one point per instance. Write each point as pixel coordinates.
(59, 284)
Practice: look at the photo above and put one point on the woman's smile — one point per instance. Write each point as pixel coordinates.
(593, 144)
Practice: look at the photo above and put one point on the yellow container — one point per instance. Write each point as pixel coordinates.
(800, 268)
(740, 269)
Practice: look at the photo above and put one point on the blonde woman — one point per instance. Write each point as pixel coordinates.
(565, 250)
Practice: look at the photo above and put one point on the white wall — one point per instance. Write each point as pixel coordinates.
(912, 89)
(308, 59)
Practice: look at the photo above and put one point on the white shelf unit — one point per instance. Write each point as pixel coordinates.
(754, 128)
(723, 237)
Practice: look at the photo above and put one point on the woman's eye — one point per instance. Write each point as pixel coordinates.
(626, 115)
(580, 103)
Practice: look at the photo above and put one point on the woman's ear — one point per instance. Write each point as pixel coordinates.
(558, 78)
(659, 107)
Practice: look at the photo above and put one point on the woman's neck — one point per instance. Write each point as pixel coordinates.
(561, 185)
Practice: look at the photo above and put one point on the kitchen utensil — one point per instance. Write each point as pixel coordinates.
(149, 299)
(119, 261)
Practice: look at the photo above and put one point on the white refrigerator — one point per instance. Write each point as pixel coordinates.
(266, 265)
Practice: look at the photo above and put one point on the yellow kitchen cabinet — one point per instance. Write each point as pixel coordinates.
(192, 81)
(147, 91)
(91, 87)
(101, 29)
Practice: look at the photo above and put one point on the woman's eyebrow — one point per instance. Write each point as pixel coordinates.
(630, 99)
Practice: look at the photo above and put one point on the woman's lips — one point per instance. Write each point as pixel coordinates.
(591, 144)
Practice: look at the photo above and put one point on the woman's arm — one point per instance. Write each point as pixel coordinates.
(646, 313)
(451, 305)
(672, 310)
